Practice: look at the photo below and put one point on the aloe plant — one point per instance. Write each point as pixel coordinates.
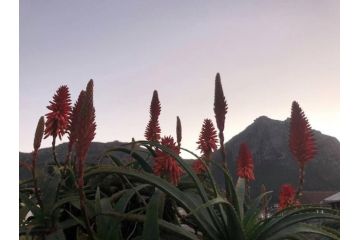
(157, 194)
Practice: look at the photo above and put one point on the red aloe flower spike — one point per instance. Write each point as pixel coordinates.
(220, 104)
(58, 117)
(73, 123)
(301, 141)
(207, 141)
(39, 133)
(165, 165)
(220, 110)
(84, 131)
(153, 129)
(287, 197)
(179, 132)
(198, 167)
(245, 163)
(57, 120)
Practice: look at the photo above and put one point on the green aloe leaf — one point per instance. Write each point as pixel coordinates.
(212, 202)
(107, 226)
(165, 186)
(30, 204)
(188, 169)
(302, 228)
(116, 160)
(73, 199)
(57, 235)
(144, 164)
(280, 219)
(164, 225)
(151, 229)
(240, 192)
(252, 214)
(124, 200)
(295, 219)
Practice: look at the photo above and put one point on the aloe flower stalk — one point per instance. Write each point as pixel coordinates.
(83, 127)
(165, 165)
(74, 117)
(179, 132)
(84, 132)
(37, 143)
(57, 119)
(73, 124)
(220, 110)
(301, 141)
(207, 142)
(153, 129)
(287, 197)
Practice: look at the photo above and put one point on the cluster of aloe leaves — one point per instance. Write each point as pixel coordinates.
(125, 200)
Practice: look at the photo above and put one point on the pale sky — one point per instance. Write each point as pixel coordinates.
(268, 53)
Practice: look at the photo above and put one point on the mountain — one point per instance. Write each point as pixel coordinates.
(275, 165)
(273, 162)
(45, 155)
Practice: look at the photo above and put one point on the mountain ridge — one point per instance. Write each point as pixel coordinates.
(273, 163)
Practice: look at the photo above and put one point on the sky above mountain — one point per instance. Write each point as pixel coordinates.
(268, 53)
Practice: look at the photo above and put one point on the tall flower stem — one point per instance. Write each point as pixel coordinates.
(301, 182)
(301, 141)
(223, 152)
(67, 159)
(67, 163)
(85, 214)
(54, 151)
(247, 189)
(83, 126)
(37, 143)
(36, 189)
(220, 111)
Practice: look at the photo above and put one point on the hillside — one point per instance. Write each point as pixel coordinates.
(274, 164)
